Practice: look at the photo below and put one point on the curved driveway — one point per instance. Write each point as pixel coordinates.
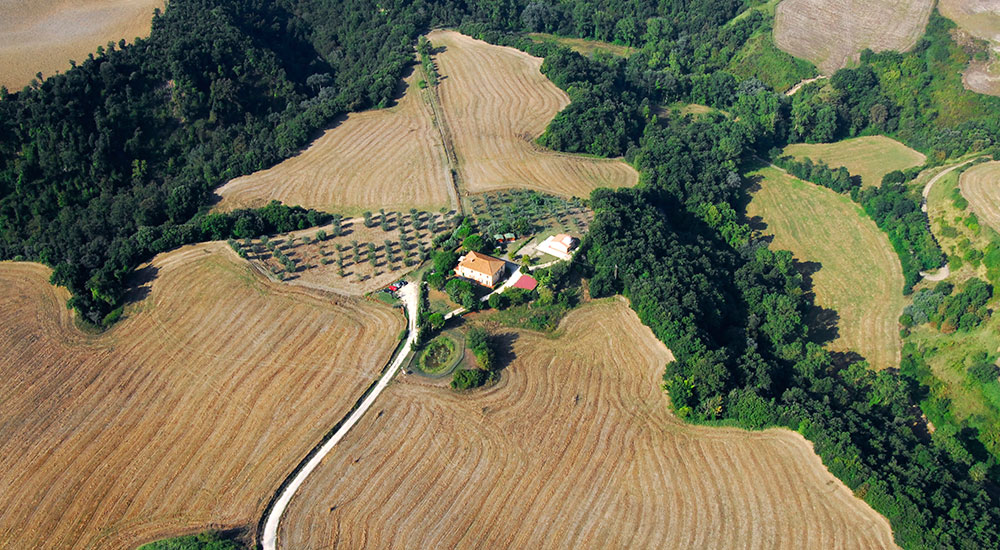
(269, 539)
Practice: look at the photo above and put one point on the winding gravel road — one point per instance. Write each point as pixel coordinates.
(269, 540)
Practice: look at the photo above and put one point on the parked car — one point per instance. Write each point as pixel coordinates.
(393, 288)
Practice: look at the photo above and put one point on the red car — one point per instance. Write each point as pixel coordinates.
(393, 288)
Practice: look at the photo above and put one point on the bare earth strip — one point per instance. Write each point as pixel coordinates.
(981, 187)
(43, 35)
(981, 18)
(384, 158)
(832, 33)
(189, 413)
(574, 448)
(496, 102)
(860, 277)
(869, 157)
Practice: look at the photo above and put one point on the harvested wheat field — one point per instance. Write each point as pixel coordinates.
(43, 35)
(981, 18)
(869, 157)
(574, 448)
(383, 158)
(495, 103)
(859, 275)
(190, 412)
(832, 33)
(980, 185)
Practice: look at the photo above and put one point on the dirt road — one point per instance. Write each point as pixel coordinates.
(269, 539)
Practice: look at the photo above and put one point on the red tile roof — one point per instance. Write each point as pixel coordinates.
(527, 282)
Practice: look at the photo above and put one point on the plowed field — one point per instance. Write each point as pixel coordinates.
(832, 33)
(190, 412)
(43, 35)
(574, 448)
(496, 102)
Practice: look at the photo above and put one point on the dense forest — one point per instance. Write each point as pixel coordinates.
(114, 161)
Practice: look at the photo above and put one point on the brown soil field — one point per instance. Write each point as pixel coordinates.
(383, 158)
(495, 103)
(43, 35)
(832, 33)
(575, 447)
(980, 185)
(859, 275)
(981, 18)
(188, 413)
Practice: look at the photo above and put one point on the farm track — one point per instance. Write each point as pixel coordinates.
(980, 185)
(43, 35)
(574, 448)
(495, 103)
(832, 33)
(189, 413)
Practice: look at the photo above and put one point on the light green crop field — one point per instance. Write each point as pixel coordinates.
(583, 46)
(869, 157)
(859, 276)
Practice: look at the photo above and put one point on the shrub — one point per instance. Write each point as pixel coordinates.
(464, 379)
(499, 301)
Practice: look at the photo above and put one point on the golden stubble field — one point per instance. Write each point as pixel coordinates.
(43, 35)
(980, 186)
(832, 33)
(188, 413)
(574, 448)
(384, 158)
(860, 277)
(496, 102)
(493, 103)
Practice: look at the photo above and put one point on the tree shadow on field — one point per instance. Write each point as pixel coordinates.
(140, 284)
(822, 322)
(503, 345)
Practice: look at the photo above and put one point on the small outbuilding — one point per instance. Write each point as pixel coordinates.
(527, 282)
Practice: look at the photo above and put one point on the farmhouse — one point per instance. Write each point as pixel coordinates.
(558, 246)
(483, 269)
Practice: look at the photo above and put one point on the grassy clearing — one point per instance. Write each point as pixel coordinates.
(583, 46)
(957, 229)
(761, 59)
(859, 276)
(869, 157)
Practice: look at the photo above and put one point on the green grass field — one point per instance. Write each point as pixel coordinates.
(869, 157)
(583, 46)
(761, 59)
(859, 275)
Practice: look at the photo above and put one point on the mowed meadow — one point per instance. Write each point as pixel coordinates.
(980, 186)
(43, 35)
(574, 448)
(832, 33)
(854, 270)
(870, 157)
(496, 102)
(189, 413)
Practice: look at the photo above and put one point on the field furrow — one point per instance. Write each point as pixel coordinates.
(574, 447)
(189, 413)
